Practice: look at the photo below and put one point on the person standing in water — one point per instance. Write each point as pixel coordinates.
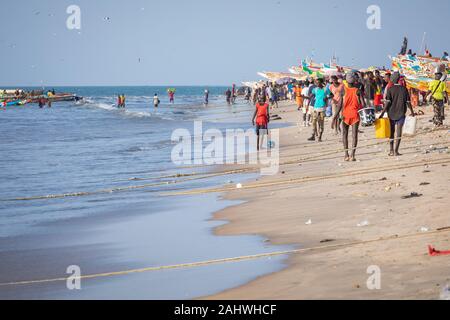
(351, 99)
(41, 102)
(119, 101)
(156, 100)
(261, 118)
(228, 96)
(123, 101)
(206, 97)
(396, 105)
(171, 93)
(233, 94)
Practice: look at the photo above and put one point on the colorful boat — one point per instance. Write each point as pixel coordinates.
(14, 103)
(419, 70)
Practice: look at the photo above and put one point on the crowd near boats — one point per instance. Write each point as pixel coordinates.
(354, 97)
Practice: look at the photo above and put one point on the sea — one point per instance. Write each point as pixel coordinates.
(95, 180)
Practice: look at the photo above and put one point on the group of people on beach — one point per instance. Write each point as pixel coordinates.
(342, 97)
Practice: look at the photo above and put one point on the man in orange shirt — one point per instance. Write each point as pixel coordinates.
(261, 115)
(352, 98)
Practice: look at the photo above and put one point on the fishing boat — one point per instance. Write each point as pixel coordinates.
(14, 103)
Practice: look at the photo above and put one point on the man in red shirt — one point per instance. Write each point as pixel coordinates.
(261, 116)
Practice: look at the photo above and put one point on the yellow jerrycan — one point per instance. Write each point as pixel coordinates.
(382, 128)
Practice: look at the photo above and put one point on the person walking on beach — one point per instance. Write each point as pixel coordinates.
(369, 88)
(438, 91)
(255, 93)
(233, 94)
(228, 96)
(206, 101)
(306, 110)
(275, 97)
(269, 93)
(248, 94)
(396, 105)
(156, 101)
(379, 83)
(298, 96)
(337, 91)
(351, 99)
(261, 118)
(320, 103)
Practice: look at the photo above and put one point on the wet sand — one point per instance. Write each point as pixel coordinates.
(337, 196)
(132, 237)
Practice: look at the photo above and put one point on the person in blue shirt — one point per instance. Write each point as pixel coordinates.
(318, 116)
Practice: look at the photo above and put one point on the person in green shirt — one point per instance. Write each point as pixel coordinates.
(438, 91)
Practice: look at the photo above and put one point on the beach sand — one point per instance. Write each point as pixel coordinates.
(339, 196)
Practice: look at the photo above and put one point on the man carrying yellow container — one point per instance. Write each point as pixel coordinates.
(396, 104)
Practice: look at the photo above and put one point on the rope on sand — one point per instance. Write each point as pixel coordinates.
(226, 260)
(195, 176)
(313, 178)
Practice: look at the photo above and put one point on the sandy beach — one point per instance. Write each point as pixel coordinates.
(315, 185)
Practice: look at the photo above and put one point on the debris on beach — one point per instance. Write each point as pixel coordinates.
(435, 253)
(364, 223)
(387, 189)
(424, 184)
(445, 294)
(424, 229)
(412, 195)
(436, 150)
(309, 222)
(239, 186)
(327, 240)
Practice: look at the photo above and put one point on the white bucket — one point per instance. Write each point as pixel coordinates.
(410, 126)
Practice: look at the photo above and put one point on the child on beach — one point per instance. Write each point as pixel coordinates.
(318, 116)
(397, 102)
(261, 115)
(351, 99)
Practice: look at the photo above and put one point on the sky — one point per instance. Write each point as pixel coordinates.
(203, 42)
